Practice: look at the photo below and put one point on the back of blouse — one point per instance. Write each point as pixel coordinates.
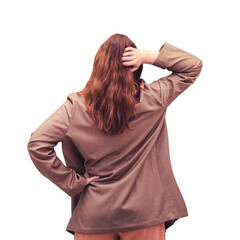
(136, 188)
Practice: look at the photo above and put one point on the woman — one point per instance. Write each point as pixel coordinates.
(115, 143)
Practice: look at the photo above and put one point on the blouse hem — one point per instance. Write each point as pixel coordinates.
(169, 221)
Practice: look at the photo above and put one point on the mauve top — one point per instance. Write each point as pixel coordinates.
(137, 187)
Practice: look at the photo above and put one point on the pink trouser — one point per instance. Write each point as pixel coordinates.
(155, 232)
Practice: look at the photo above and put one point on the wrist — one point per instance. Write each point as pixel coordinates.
(149, 57)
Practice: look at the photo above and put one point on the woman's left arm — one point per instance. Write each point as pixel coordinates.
(41, 150)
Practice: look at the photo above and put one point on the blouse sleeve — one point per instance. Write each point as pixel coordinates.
(41, 150)
(185, 68)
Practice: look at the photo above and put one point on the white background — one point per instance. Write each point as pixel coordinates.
(47, 50)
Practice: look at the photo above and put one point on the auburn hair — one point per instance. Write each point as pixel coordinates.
(113, 90)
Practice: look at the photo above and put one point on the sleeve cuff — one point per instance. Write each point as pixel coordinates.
(82, 183)
(160, 60)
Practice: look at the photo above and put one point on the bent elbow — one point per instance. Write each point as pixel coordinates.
(196, 70)
(200, 63)
(199, 67)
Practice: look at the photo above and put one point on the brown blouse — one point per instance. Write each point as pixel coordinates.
(136, 188)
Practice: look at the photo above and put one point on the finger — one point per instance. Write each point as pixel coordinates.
(86, 175)
(126, 58)
(134, 69)
(94, 178)
(128, 49)
(128, 53)
(130, 63)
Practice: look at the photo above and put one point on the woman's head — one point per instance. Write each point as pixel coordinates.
(108, 57)
(113, 89)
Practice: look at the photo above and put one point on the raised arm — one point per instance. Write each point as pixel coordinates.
(185, 69)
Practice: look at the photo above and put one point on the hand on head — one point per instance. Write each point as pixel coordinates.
(132, 57)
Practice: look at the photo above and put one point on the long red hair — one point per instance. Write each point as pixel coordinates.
(113, 90)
